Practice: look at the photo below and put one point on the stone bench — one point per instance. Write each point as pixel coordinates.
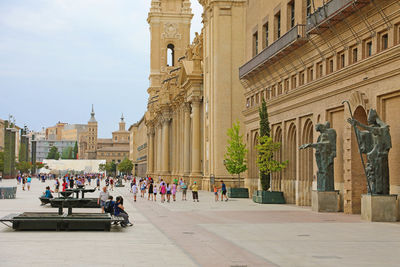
(53, 221)
(8, 192)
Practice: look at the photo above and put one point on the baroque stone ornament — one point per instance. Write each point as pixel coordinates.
(170, 31)
(325, 153)
(375, 141)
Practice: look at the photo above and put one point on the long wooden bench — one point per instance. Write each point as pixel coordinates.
(54, 221)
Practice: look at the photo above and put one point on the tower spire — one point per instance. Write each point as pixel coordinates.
(92, 118)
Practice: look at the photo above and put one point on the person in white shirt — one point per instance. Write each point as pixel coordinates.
(103, 197)
(134, 191)
(155, 191)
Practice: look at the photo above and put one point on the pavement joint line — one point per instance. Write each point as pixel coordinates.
(165, 235)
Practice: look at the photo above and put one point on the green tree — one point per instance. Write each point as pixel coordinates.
(75, 152)
(265, 160)
(23, 166)
(22, 152)
(265, 130)
(53, 153)
(67, 153)
(1, 162)
(126, 166)
(111, 167)
(235, 157)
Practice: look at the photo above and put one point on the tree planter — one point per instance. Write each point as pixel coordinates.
(267, 197)
(238, 192)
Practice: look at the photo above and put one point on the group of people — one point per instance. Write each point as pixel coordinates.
(25, 180)
(168, 191)
(116, 208)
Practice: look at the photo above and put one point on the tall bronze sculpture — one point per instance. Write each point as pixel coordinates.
(325, 153)
(375, 142)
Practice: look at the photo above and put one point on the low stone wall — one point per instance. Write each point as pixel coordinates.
(8, 192)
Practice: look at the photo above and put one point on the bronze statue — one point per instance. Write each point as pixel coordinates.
(325, 153)
(375, 142)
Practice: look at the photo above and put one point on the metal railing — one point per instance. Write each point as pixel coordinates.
(328, 10)
(297, 32)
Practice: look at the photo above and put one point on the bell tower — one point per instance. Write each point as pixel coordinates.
(169, 22)
(92, 136)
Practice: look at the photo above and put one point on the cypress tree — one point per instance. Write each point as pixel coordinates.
(264, 131)
(75, 150)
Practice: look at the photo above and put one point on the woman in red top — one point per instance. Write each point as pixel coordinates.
(64, 185)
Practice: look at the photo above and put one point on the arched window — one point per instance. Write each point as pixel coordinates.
(170, 55)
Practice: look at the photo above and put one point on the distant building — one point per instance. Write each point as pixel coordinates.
(111, 149)
(138, 147)
(65, 131)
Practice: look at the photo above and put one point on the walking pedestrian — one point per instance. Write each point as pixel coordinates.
(134, 191)
(28, 182)
(195, 193)
(173, 191)
(150, 192)
(223, 193)
(168, 192)
(56, 185)
(155, 192)
(184, 189)
(216, 193)
(98, 183)
(64, 185)
(23, 182)
(112, 183)
(163, 191)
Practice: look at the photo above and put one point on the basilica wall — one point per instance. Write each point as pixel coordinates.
(306, 77)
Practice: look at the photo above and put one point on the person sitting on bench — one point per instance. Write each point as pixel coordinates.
(119, 211)
(48, 192)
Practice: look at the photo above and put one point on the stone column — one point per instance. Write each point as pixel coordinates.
(159, 150)
(165, 146)
(150, 152)
(196, 132)
(186, 140)
(173, 146)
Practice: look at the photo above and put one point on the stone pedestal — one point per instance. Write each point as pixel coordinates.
(325, 201)
(379, 208)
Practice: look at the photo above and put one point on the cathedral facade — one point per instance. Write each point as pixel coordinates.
(304, 57)
(194, 91)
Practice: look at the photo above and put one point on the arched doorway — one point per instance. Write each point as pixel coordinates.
(276, 178)
(290, 173)
(358, 179)
(306, 166)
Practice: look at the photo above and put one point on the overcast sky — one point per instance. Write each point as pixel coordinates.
(57, 57)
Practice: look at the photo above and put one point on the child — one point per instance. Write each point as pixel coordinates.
(155, 192)
(216, 193)
(173, 191)
(134, 191)
(168, 193)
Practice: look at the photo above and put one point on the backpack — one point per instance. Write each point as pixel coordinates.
(109, 207)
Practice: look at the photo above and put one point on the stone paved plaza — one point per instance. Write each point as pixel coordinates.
(183, 233)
